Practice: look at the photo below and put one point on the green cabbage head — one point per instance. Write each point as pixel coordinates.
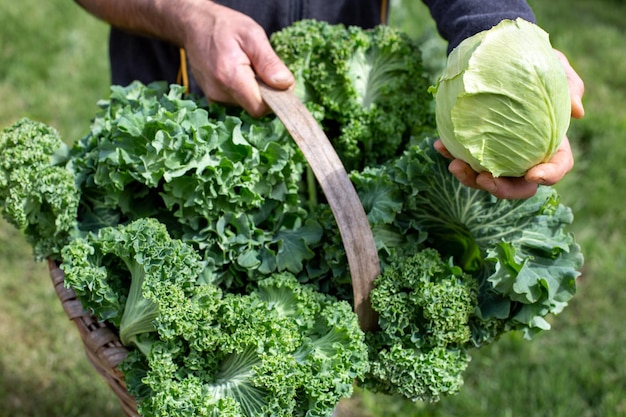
(502, 102)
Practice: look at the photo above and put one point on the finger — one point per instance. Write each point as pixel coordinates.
(439, 147)
(245, 91)
(233, 82)
(501, 187)
(265, 63)
(576, 86)
(506, 187)
(555, 169)
(463, 172)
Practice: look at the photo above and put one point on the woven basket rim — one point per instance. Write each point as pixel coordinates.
(101, 343)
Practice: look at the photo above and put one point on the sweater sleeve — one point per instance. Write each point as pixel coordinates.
(460, 19)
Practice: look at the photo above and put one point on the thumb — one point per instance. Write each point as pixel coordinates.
(266, 64)
(576, 86)
(275, 73)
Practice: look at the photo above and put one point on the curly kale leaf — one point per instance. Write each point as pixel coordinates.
(425, 306)
(122, 273)
(38, 195)
(219, 179)
(366, 86)
(522, 262)
(283, 349)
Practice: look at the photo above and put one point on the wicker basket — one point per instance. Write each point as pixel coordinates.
(101, 342)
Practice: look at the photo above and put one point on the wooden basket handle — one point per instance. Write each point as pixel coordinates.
(344, 202)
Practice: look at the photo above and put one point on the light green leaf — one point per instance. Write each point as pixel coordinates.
(503, 101)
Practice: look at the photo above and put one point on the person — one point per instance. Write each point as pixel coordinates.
(227, 48)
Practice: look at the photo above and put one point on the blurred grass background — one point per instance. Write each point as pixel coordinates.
(53, 68)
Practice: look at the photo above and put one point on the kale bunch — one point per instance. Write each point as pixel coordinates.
(38, 195)
(367, 87)
(279, 349)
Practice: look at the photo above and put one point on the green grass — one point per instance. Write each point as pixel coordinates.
(53, 68)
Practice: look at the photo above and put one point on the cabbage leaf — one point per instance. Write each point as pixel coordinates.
(502, 101)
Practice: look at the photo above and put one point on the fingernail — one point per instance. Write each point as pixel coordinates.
(281, 77)
(539, 177)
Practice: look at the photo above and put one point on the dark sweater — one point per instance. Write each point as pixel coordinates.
(460, 19)
(135, 57)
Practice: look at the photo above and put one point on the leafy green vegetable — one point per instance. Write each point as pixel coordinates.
(37, 194)
(513, 265)
(503, 101)
(229, 184)
(518, 250)
(425, 305)
(195, 230)
(118, 272)
(282, 350)
(367, 87)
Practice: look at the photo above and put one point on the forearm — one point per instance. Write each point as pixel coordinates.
(459, 19)
(162, 19)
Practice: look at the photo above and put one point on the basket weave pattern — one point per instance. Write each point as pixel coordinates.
(101, 343)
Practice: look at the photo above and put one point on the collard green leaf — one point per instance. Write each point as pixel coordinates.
(519, 250)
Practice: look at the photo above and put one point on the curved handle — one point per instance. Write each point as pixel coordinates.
(344, 202)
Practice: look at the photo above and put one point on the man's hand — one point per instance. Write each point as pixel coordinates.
(548, 173)
(576, 86)
(227, 51)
